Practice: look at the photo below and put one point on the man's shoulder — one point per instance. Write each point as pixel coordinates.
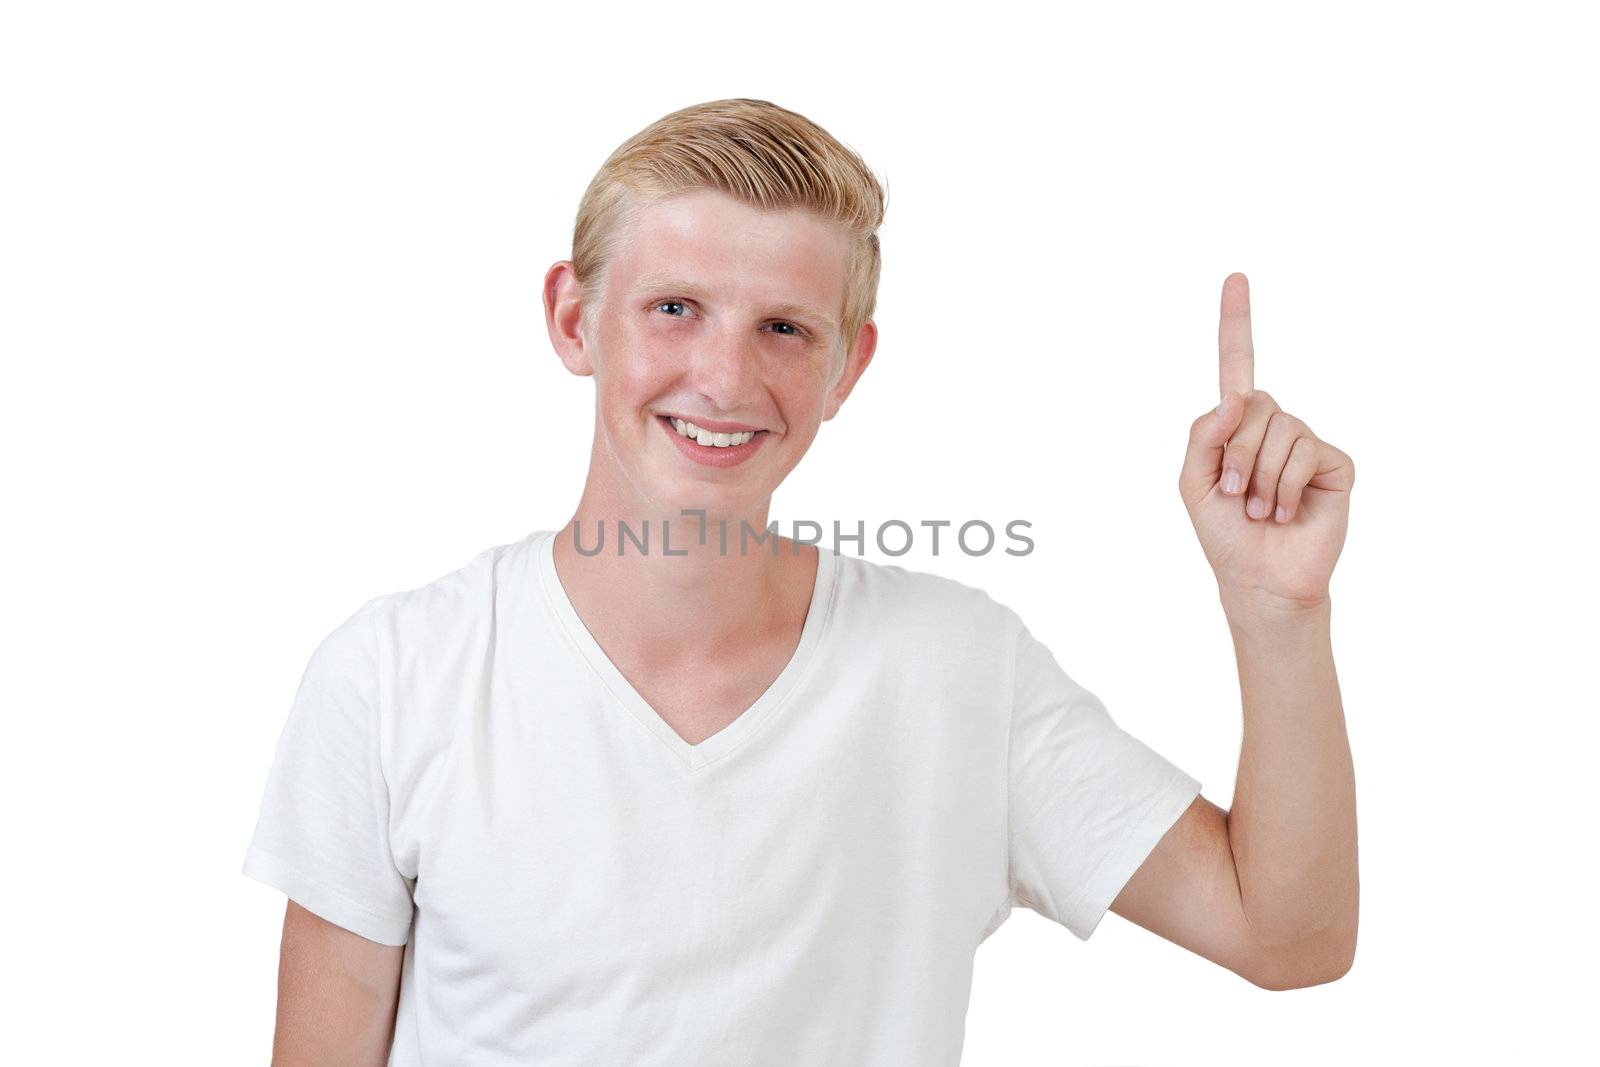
(457, 597)
(926, 603)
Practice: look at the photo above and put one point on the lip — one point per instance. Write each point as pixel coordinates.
(707, 424)
(710, 455)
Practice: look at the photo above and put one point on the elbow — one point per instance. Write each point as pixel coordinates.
(1315, 963)
(1279, 981)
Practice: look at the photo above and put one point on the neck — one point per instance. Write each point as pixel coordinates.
(682, 598)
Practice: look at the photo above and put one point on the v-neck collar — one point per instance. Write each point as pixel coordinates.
(725, 740)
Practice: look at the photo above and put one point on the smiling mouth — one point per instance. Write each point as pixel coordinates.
(709, 438)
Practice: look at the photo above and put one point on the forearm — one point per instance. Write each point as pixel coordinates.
(1292, 827)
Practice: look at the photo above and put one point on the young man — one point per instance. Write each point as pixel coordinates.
(693, 805)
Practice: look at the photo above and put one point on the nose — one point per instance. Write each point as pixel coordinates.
(724, 370)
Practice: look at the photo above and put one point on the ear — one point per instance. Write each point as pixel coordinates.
(563, 317)
(855, 363)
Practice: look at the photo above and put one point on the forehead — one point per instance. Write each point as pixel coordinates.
(718, 243)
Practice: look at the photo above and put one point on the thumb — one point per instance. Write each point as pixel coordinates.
(1202, 464)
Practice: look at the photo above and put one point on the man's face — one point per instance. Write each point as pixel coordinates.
(725, 316)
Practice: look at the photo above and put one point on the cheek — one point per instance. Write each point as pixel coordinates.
(804, 385)
(635, 376)
(635, 371)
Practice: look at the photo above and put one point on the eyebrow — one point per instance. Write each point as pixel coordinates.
(663, 282)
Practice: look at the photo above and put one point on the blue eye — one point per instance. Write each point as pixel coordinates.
(789, 329)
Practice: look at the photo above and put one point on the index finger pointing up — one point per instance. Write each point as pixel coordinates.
(1237, 369)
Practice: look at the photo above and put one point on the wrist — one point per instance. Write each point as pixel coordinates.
(1258, 611)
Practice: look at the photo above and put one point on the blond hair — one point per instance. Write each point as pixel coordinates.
(765, 155)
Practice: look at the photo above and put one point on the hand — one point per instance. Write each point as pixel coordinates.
(1269, 499)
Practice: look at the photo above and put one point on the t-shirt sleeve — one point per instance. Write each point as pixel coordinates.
(322, 835)
(1088, 801)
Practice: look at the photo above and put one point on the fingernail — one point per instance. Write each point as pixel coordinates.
(1282, 513)
(1257, 508)
(1231, 482)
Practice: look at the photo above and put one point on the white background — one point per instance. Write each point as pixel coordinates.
(273, 345)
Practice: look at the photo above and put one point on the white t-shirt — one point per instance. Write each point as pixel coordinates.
(464, 772)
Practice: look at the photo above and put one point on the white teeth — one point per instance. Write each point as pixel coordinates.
(710, 438)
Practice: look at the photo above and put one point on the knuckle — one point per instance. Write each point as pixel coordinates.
(1284, 421)
(1261, 396)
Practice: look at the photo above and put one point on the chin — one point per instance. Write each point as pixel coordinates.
(719, 502)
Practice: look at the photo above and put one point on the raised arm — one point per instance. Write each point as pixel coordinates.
(337, 994)
(1269, 888)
